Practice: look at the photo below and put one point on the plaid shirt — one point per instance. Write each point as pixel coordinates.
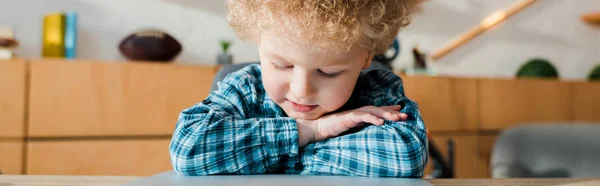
(238, 129)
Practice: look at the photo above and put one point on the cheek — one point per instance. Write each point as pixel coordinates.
(336, 93)
(274, 84)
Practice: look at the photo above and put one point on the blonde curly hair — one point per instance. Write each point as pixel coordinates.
(331, 26)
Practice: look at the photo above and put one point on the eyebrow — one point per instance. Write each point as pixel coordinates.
(336, 63)
(272, 56)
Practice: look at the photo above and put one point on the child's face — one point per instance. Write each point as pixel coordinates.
(308, 85)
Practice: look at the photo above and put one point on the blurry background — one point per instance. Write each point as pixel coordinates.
(104, 112)
(549, 28)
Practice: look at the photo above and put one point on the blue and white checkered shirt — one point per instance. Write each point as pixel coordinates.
(238, 129)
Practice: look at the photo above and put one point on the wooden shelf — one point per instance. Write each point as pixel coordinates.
(591, 18)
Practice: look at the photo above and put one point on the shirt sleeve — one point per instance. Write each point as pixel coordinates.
(395, 149)
(218, 137)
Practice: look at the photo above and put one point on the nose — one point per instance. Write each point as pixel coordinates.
(301, 86)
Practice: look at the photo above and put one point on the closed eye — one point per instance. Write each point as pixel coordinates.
(279, 67)
(330, 75)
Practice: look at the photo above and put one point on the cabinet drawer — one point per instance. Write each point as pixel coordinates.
(12, 97)
(11, 157)
(112, 99)
(446, 104)
(466, 162)
(505, 103)
(140, 157)
(586, 101)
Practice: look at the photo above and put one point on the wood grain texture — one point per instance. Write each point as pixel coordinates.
(466, 164)
(586, 101)
(87, 98)
(446, 104)
(11, 157)
(12, 98)
(99, 157)
(46, 180)
(505, 103)
(485, 146)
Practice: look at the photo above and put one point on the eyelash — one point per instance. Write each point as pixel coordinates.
(282, 67)
(331, 76)
(325, 75)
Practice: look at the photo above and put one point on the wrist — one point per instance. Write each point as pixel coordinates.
(306, 132)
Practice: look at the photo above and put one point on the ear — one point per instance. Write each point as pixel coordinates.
(367, 62)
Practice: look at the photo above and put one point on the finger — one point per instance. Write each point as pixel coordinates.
(347, 122)
(382, 113)
(396, 110)
(403, 116)
(367, 117)
(392, 107)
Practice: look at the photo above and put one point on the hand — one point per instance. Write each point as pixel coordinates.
(329, 126)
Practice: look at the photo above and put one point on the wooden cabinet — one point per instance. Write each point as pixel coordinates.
(484, 152)
(466, 162)
(97, 118)
(473, 111)
(472, 153)
(12, 98)
(138, 157)
(13, 85)
(11, 156)
(446, 104)
(586, 101)
(505, 103)
(86, 98)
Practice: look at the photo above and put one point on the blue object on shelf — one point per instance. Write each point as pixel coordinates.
(71, 35)
(385, 58)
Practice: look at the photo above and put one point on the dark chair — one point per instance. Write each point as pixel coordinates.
(547, 151)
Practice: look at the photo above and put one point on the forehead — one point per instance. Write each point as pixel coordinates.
(275, 47)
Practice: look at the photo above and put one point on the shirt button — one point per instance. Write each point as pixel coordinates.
(299, 166)
(206, 102)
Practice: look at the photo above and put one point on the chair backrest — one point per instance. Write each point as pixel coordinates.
(547, 150)
(226, 70)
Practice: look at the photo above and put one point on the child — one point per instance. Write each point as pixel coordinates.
(307, 108)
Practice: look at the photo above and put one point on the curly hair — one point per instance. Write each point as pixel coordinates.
(323, 25)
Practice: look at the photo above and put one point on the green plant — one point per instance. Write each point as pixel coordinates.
(595, 74)
(225, 45)
(539, 68)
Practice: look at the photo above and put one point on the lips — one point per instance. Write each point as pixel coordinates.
(301, 108)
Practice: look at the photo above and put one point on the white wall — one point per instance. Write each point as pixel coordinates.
(549, 28)
(197, 24)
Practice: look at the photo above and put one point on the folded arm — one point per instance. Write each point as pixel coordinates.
(216, 137)
(394, 149)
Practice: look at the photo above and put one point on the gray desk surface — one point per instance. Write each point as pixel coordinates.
(81, 180)
(170, 178)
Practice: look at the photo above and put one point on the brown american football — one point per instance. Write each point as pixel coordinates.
(150, 45)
